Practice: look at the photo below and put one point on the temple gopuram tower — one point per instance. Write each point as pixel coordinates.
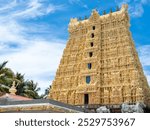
(100, 65)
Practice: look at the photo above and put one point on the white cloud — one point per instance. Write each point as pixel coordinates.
(35, 8)
(42, 56)
(32, 55)
(74, 1)
(148, 79)
(32, 10)
(9, 6)
(11, 31)
(41, 59)
(144, 55)
(136, 8)
(78, 2)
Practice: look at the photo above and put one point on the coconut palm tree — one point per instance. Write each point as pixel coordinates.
(24, 87)
(20, 84)
(2, 66)
(6, 77)
(32, 89)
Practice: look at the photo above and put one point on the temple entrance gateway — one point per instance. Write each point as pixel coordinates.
(86, 99)
(100, 59)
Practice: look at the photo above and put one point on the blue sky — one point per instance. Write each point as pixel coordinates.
(33, 33)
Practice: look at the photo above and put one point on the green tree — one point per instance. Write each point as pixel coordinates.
(24, 87)
(6, 77)
(32, 89)
(20, 84)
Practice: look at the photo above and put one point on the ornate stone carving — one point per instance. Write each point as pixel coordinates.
(13, 89)
(114, 75)
(102, 109)
(138, 108)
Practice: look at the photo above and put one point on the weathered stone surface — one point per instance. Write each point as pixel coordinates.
(138, 108)
(102, 109)
(100, 64)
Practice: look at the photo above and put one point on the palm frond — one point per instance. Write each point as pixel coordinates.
(3, 65)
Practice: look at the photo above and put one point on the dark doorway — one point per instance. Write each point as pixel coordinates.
(90, 54)
(92, 35)
(93, 27)
(92, 44)
(86, 99)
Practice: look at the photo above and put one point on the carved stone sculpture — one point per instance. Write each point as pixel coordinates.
(138, 108)
(100, 64)
(102, 109)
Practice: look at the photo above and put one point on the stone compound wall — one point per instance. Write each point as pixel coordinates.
(100, 61)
